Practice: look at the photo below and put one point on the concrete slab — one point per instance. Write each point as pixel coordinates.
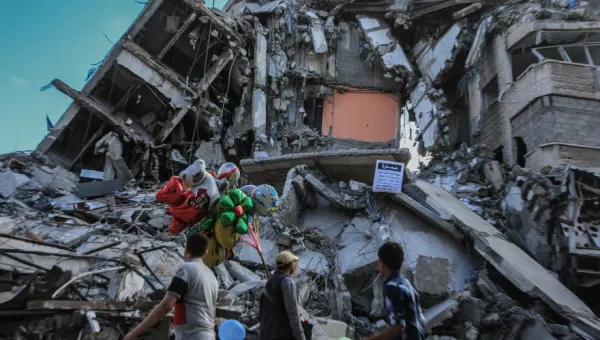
(343, 165)
(68, 236)
(359, 254)
(380, 38)
(325, 217)
(420, 238)
(435, 59)
(518, 267)
(309, 260)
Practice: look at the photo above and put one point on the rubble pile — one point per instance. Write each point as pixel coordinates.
(472, 176)
(484, 311)
(307, 96)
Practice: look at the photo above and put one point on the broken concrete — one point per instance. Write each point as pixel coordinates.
(510, 260)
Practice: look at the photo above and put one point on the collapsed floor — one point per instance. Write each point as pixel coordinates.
(91, 268)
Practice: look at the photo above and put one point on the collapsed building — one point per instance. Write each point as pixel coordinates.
(500, 228)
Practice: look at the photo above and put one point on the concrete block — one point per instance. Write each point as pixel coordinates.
(439, 313)
(240, 272)
(10, 181)
(334, 329)
(223, 276)
(472, 309)
(493, 173)
(486, 287)
(432, 275)
(537, 330)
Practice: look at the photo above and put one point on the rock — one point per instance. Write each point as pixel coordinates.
(432, 275)
(358, 186)
(439, 313)
(491, 320)
(537, 330)
(297, 245)
(160, 222)
(223, 276)
(471, 309)
(342, 185)
(493, 173)
(486, 287)
(284, 239)
(559, 330)
(470, 332)
(240, 272)
(380, 325)
(463, 176)
(10, 182)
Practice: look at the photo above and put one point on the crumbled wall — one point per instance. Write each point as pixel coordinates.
(350, 65)
(559, 119)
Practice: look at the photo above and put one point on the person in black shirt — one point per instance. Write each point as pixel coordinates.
(279, 317)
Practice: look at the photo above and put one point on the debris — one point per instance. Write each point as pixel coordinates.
(308, 97)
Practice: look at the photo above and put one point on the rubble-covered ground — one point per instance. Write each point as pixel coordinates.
(91, 268)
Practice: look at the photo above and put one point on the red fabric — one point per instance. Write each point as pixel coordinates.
(179, 317)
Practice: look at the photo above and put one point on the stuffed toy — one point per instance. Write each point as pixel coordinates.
(203, 186)
(184, 215)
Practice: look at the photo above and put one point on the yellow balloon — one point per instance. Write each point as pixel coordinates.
(226, 236)
(215, 254)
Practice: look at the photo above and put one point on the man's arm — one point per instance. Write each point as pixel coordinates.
(159, 312)
(396, 312)
(289, 298)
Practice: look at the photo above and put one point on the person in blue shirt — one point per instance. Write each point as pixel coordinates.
(401, 299)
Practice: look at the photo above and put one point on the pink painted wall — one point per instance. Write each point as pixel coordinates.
(366, 116)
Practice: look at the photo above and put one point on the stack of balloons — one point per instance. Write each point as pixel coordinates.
(231, 219)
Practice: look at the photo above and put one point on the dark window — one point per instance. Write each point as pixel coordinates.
(521, 151)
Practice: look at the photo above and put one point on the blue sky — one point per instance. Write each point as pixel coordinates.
(41, 40)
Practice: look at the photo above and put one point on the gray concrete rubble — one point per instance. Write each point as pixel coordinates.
(115, 248)
(493, 108)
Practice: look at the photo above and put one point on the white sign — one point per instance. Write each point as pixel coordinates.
(388, 177)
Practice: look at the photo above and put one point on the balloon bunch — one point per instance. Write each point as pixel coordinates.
(210, 203)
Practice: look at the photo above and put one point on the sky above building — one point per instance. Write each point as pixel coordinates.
(42, 40)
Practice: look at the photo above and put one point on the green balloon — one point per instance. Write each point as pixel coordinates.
(241, 227)
(227, 218)
(247, 204)
(207, 225)
(236, 196)
(226, 204)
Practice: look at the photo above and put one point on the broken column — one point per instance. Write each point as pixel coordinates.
(259, 99)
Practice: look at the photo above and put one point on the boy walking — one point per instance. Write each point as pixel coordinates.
(193, 292)
(401, 299)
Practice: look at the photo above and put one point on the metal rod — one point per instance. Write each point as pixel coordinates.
(6, 252)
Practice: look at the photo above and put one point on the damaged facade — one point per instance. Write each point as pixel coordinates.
(501, 240)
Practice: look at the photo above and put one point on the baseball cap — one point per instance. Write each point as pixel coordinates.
(285, 258)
